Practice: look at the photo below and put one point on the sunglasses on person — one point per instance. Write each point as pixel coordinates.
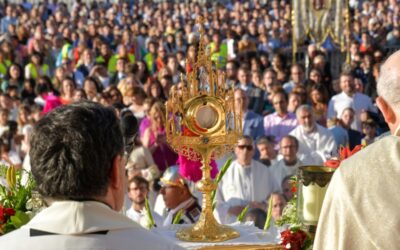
(248, 147)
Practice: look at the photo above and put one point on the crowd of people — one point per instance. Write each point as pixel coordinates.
(128, 56)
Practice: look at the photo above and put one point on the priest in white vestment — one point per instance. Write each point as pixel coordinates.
(77, 156)
(289, 164)
(361, 206)
(316, 143)
(246, 182)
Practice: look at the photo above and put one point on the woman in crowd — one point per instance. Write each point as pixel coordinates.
(156, 91)
(91, 88)
(67, 90)
(154, 138)
(15, 77)
(318, 97)
(135, 99)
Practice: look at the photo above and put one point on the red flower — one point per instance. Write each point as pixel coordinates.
(9, 211)
(296, 239)
(5, 213)
(294, 189)
(344, 153)
(333, 163)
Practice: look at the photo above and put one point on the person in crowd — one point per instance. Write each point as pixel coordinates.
(289, 163)
(266, 148)
(36, 67)
(287, 190)
(67, 90)
(246, 182)
(369, 130)
(318, 96)
(281, 122)
(349, 98)
(339, 133)
(177, 196)
(90, 194)
(346, 120)
(134, 99)
(120, 71)
(15, 77)
(297, 78)
(316, 143)
(252, 122)
(154, 138)
(278, 204)
(138, 190)
(294, 102)
(258, 216)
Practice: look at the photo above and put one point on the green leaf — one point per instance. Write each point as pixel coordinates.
(269, 215)
(220, 174)
(178, 217)
(19, 219)
(243, 213)
(149, 214)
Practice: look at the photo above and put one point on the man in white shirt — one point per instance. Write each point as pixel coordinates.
(77, 157)
(316, 143)
(177, 196)
(349, 98)
(246, 182)
(138, 190)
(289, 164)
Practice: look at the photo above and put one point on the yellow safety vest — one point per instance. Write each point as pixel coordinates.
(33, 72)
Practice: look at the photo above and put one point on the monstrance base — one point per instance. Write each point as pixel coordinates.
(210, 232)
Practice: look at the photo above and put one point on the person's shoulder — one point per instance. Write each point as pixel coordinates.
(362, 97)
(145, 238)
(324, 129)
(270, 116)
(295, 130)
(337, 96)
(259, 166)
(253, 115)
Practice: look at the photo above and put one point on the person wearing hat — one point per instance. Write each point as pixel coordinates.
(177, 196)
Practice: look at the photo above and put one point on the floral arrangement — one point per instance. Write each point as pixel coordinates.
(289, 214)
(344, 153)
(295, 239)
(17, 204)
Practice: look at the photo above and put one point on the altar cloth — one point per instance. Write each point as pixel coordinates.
(249, 235)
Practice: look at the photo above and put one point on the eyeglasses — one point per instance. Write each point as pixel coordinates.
(248, 147)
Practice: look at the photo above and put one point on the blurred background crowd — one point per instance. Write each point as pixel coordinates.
(129, 55)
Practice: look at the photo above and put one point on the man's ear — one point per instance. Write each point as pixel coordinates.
(116, 172)
(386, 109)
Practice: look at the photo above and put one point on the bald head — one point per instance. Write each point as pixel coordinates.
(388, 87)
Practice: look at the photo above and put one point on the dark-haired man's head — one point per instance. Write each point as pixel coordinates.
(77, 154)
